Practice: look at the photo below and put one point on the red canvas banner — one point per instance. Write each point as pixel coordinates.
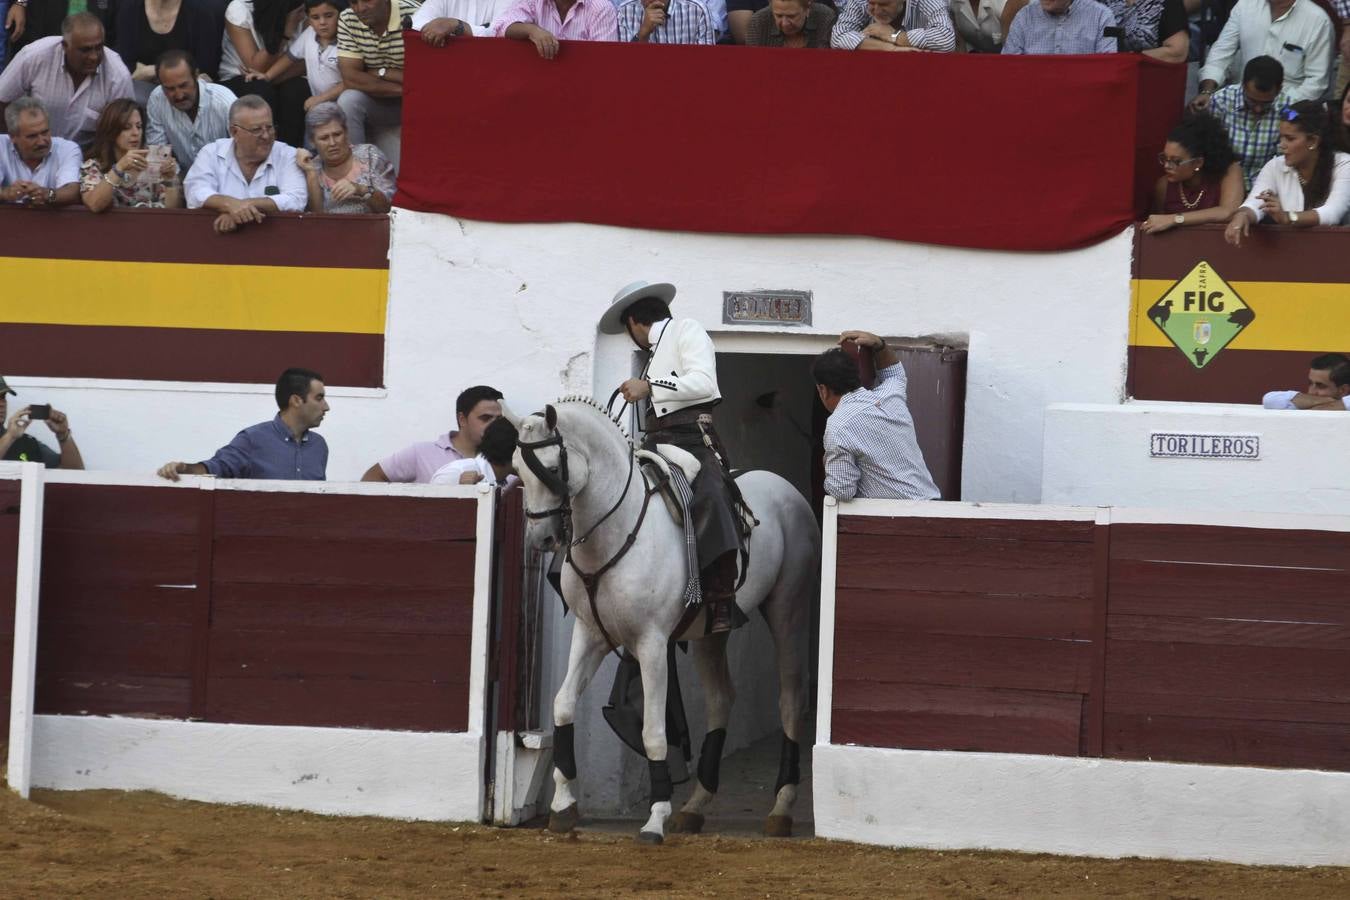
(1012, 153)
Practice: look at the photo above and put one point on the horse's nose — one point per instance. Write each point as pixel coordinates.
(548, 542)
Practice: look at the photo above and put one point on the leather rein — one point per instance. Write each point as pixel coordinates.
(555, 478)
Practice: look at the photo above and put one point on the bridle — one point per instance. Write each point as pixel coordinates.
(555, 478)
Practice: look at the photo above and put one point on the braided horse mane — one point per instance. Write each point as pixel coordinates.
(577, 400)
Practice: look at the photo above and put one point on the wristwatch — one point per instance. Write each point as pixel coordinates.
(1179, 219)
(382, 71)
(895, 35)
(459, 28)
(1293, 218)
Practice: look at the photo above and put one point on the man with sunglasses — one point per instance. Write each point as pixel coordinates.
(1249, 111)
(248, 174)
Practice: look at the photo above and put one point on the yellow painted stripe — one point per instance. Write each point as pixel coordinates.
(1289, 315)
(184, 295)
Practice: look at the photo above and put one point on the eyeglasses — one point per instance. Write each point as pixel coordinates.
(1168, 163)
(258, 130)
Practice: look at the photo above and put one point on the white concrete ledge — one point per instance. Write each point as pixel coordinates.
(1081, 807)
(337, 771)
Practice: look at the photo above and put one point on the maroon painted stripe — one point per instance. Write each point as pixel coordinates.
(190, 354)
(1234, 376)
(186, 236)
(1270, 254)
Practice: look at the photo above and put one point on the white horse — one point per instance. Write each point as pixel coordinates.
(585, 496)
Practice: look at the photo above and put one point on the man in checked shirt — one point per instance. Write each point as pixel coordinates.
(870, 446)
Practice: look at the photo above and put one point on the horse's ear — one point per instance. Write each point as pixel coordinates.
(550, 417)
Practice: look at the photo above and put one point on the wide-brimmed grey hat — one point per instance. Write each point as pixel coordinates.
(612, 321)
(5, 388)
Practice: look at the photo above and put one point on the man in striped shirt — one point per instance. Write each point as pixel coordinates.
(665, 22)
(185, 111)
(871, 449)
(544, 22)
(894, 25)
(370, 58)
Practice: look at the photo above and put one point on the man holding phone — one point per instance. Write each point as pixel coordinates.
(15, 445)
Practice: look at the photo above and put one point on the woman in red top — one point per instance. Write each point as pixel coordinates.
(1202, 180)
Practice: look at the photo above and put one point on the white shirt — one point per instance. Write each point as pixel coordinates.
(240, 13)
(1301, 40)
(216, 171)
(982, 29)
(683, 368)
(477, 15)
(1285, 400)
(450, 472)
(60, 167)
(170, 125)
(1278, 177)
(321, 65)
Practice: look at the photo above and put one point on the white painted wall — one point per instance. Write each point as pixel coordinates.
(516, 306)
(1085, 807)
(1097, 455)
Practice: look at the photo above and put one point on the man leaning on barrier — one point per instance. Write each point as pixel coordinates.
(284, 447)
(1328, 387)
(18, 446)
(871, 449)
(36, 169)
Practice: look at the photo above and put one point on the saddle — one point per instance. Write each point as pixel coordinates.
(656, 470)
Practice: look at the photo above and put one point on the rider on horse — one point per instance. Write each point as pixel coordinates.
(675, 395)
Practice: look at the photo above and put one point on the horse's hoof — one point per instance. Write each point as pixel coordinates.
(778, 826)
(687, 823)
(650, 837)
(564, 820)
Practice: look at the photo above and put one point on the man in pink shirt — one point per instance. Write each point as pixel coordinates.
(475, 410)
(544, 22)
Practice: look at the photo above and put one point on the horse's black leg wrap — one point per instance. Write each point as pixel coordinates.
(662, 789)
(789, 772)
(710, 759)
(564, 753)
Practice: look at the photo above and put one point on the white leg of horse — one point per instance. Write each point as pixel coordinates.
(588, 651)
(785, 609)
(710, 659)
(651, 655)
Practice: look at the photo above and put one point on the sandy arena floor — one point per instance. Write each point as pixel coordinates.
(108, 844)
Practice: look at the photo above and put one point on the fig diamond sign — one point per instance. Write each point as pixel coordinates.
(1201, 314)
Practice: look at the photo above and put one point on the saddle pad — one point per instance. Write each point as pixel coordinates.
(668, 453)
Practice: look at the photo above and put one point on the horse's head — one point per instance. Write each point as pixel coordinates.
(551, 474)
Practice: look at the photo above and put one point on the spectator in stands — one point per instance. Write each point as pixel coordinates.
(441, 20)
(1328, 387)
(285, 447)
(791, 23)
(870, 445)
(186, 111)
(314, 52)
(475, 409)
(493, 462)
(121, 171)
(72, 75)
(370, 57)
(1341, 115)
(545, 22)
(1061, 27)
(1309, 185)
(1295, 32)
(247, 175)
(665, 22)
(1249, 112)
(1156, 28)
(256, 38)
(17, 446)
(141, 31)
(1202, 181)
(891, 25)
(36, 169)
(343, 178)
(980, 24)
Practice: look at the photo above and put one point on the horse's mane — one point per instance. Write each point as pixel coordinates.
(590, 404)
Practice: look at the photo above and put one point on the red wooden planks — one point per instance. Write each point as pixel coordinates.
(343, 608)
(285, 655)
(974, 529)
(1227, 544)
(100, 694)
(1213, 670)
(1311, 745)
(1165, 588)
(1058, 568)
(949, 612)
(302, 559)
(396, 705)
(359, 519)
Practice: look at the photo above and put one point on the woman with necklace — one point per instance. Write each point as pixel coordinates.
(1308, 185)
(342, 178)
(1202, 179)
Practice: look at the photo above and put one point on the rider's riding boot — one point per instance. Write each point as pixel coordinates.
(719, 592)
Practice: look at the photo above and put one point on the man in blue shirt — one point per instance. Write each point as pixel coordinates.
(1062, 27)
(283, 448)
